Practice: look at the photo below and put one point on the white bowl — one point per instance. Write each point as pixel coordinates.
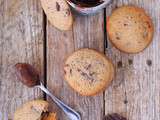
(88, 10)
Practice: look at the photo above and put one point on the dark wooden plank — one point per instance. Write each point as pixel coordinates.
(87, 32)
(135, 92)
(21, 40)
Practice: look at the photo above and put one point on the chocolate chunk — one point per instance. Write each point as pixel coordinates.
(125, 24)
(114, 116)
(78, 70)
(118, 38)
(88, 67)
(65, 72)
(66, 65)
(68, 12)
(85, 75)
(70, 71)
(92, 73)
(148, 24)
(58, 6)
(27, 74)
(44, 115)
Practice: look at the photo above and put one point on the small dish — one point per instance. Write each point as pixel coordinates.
(88, 10)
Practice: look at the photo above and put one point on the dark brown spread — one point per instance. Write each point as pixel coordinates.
(87, 3)
(27, 74)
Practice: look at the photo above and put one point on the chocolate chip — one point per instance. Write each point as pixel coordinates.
(129, 17)
(118, 38)
(148, 24)
(85, 75)
(88, 67)
(78, 70)
(58, 6)
(65, 72)
(92, 73)
(68, 12)
(66, 65)
(125, 24)
(44, 115)
(70, 71)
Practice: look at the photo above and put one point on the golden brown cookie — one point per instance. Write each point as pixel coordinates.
(58, 13)
(130, 29)
(88, 71)
(32, 110)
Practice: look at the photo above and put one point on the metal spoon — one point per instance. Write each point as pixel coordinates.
(30, 77)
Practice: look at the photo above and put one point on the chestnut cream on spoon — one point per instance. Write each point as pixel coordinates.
(28, 75)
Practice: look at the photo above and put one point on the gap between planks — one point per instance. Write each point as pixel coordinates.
(45, 53)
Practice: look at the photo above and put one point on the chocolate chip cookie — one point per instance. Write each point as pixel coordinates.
(34, 110)
(58, 13)
(88, 71)
(130, 29)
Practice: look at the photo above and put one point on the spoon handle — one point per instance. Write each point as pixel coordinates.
(72, 114)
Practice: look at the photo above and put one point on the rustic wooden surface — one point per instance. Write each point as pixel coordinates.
(21, 40)
(26, 36)
(135, 92)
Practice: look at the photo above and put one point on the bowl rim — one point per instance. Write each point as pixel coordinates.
(88, 10)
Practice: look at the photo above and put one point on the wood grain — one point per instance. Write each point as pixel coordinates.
(87, 32)
(135, 91)
(21, 40)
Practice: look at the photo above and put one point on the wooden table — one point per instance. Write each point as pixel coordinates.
(26, 36)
